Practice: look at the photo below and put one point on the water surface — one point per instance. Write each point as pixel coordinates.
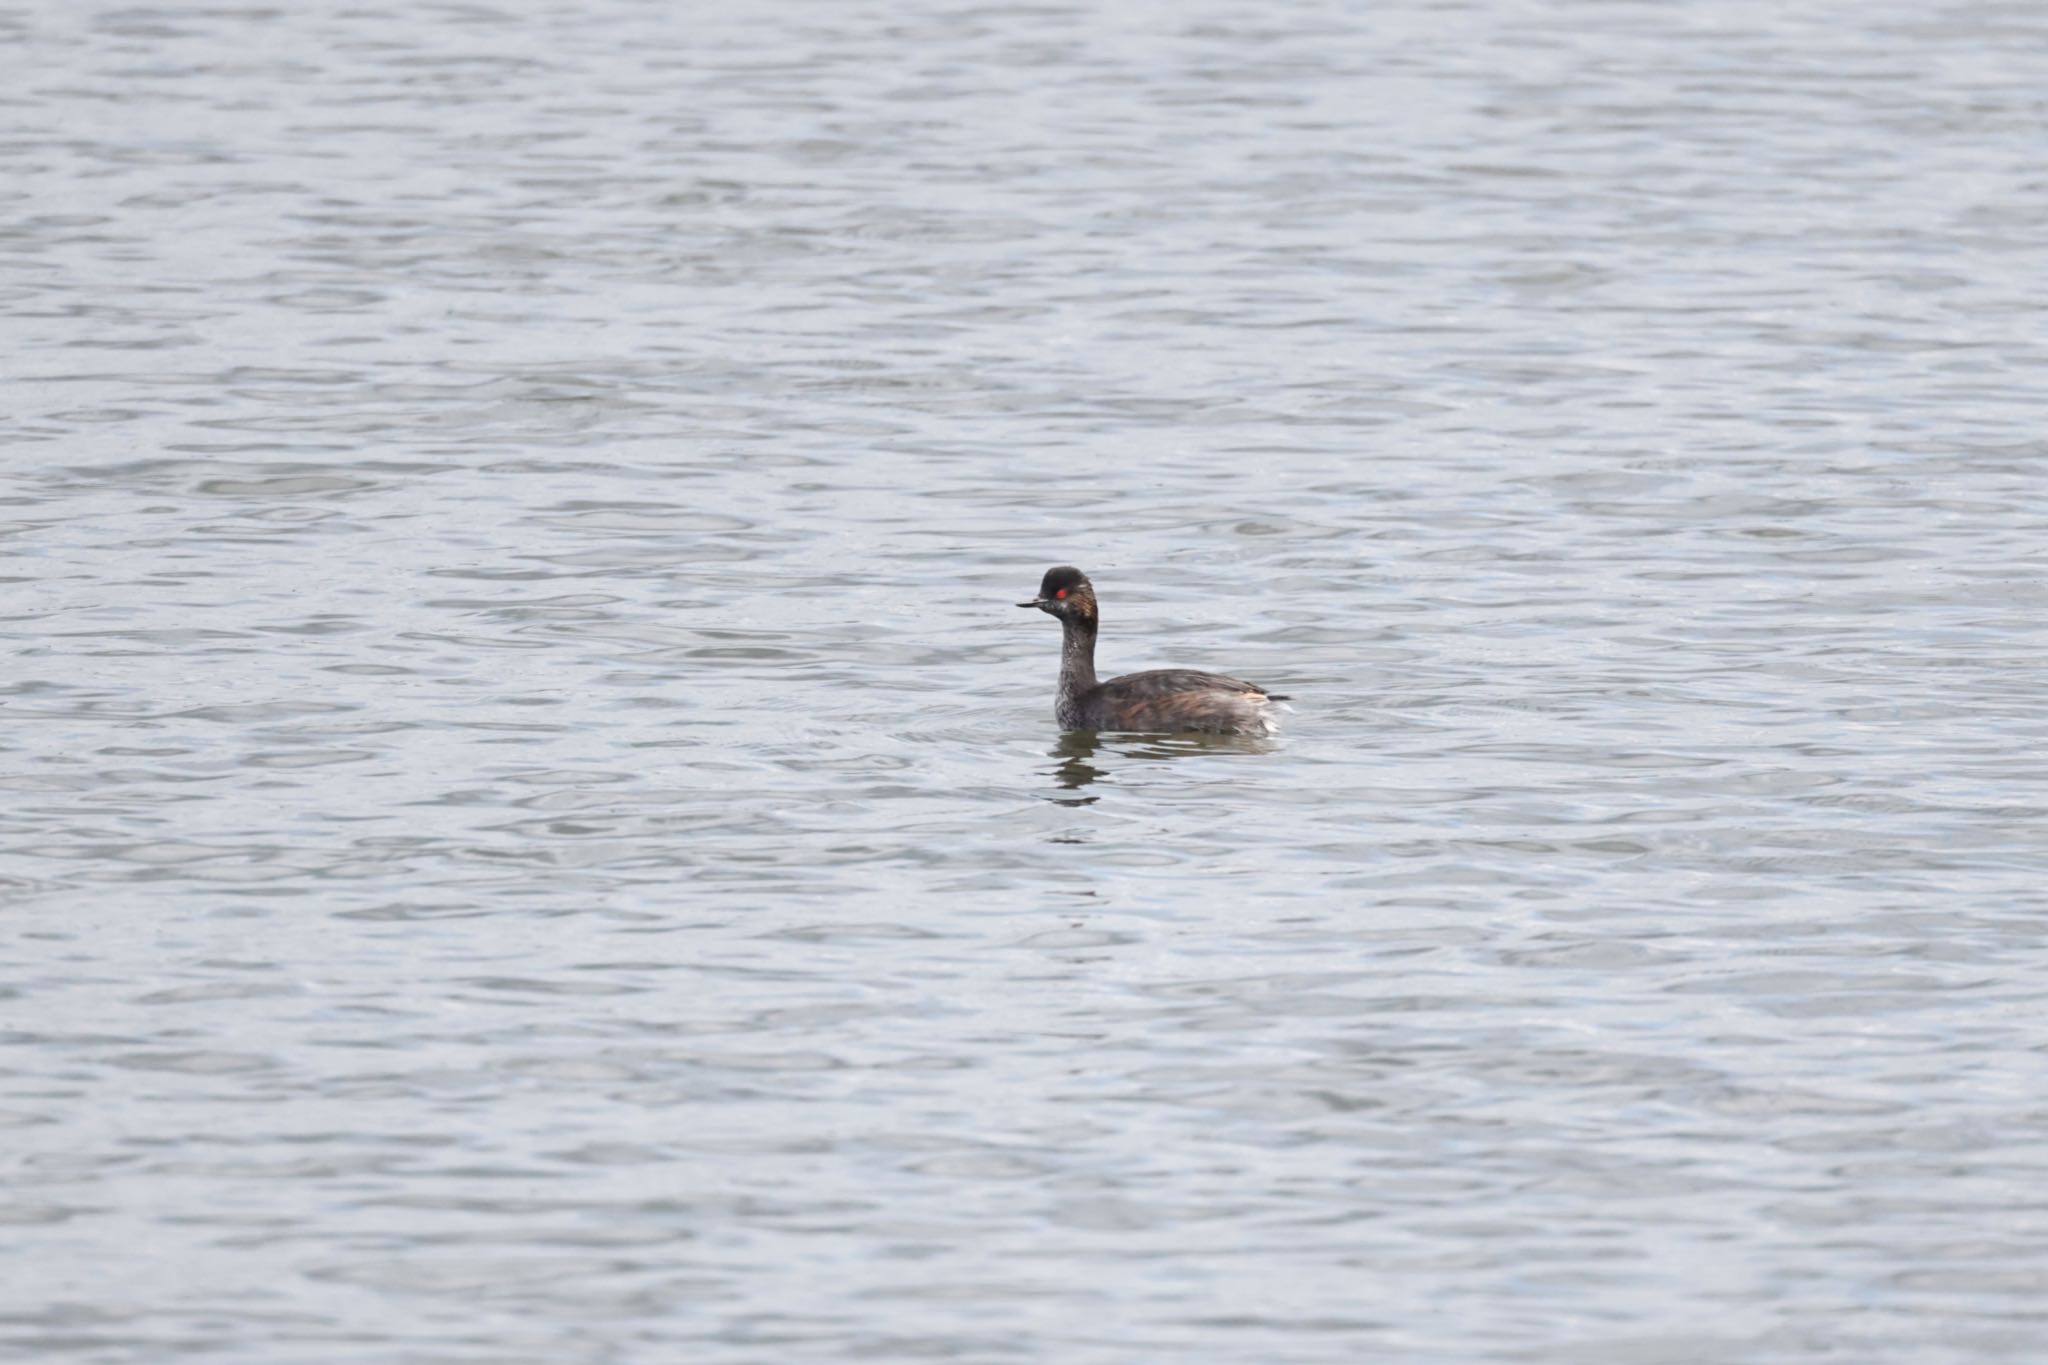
(532, 830)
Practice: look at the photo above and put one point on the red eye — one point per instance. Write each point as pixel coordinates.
(1061, 593)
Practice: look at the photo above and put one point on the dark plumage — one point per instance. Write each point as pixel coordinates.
(1162, 699)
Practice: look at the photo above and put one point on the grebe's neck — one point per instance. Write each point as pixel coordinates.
(1077, 656)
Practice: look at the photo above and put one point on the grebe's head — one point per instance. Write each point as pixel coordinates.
(1065, 593)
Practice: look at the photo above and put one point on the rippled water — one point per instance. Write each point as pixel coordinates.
(532, 831)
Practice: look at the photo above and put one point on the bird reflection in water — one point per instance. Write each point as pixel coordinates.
(1087, 756)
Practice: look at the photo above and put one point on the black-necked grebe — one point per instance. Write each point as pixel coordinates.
(1162, 699)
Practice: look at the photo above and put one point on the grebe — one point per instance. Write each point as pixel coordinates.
(1163, 699)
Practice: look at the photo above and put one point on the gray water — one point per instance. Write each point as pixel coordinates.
(533, 833)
